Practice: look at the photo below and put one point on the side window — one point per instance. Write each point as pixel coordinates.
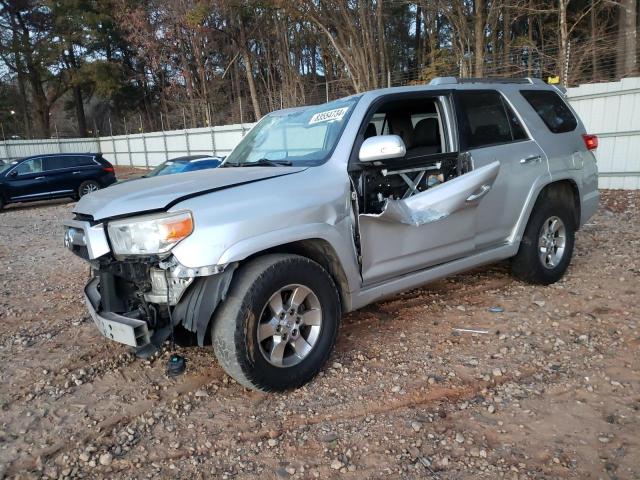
(53, 163)
(551, 109)
(30, 166)
(482, 118)
(517, 130)
(85, 160)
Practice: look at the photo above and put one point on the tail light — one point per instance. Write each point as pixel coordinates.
(108, 169)
(590, 141)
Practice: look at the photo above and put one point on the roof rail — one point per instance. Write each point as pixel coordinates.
(456, 80)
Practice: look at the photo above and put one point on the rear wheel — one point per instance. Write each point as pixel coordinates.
(88, 186)
(278, 324)
(547, 244)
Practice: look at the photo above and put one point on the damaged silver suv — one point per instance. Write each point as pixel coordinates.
(321, 210)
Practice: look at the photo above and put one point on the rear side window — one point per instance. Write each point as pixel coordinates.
(70, 161)
(483, 119)
(551, 109)
(53, 163)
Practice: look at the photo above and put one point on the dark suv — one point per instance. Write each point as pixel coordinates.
(42, 177)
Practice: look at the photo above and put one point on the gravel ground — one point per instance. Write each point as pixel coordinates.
(552, 390)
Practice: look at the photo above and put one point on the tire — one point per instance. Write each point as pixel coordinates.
(86, 187)
(528, 264)
(255, 288)
(2, 202)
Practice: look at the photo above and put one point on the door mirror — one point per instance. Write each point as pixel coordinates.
(13, 174)
(382, 147)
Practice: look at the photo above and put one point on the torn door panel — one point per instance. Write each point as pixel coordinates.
(441, 201)
(428, 228)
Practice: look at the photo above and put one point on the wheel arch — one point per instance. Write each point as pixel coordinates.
(322, 252)
(565, 190)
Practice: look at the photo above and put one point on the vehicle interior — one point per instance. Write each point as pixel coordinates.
(429, 159)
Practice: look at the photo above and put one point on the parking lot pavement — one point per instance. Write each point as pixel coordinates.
(551, 390)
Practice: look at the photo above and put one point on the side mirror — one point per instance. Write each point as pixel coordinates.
(13, 174)
(382, 147)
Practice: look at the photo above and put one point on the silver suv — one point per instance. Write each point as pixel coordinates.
(322, 210)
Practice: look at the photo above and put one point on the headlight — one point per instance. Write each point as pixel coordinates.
(149, 234)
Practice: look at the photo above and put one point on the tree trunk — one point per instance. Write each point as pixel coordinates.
(384, 64)
(252, 85)
(80, 117)
(627, 38)
(594, 58)
(564, 42)
(246, 58)
(479, 37)
(418, 42)
(530, 39)
(506, 41)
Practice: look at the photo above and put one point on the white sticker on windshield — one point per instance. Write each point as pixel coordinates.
(329, 115)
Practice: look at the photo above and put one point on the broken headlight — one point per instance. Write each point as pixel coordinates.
(149, 234)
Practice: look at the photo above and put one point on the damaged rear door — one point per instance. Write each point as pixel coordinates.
(424, 229)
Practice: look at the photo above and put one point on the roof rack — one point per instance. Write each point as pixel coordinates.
(456, 80)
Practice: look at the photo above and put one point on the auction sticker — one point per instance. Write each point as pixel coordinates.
(329, 115)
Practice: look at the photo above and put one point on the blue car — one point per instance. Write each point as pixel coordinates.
(185, 164)
(43, 177)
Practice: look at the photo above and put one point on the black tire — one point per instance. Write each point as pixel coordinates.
(2, 202)
(88, 186)
(235, 323)
(528, 265)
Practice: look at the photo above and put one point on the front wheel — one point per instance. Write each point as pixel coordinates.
(547, 244)
(278, 324)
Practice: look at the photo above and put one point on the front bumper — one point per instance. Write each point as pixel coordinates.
(119, 328)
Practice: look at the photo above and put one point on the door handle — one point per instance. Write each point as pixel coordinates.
(532, 159)
(484, 189)
(75, 173)
(38, 178)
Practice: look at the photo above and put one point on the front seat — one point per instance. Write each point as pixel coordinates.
(400, 124)
(426, 138)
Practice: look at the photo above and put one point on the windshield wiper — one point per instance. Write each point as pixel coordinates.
(265, 162)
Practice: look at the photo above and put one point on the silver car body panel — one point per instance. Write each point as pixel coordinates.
(273, 206)
(157, 193)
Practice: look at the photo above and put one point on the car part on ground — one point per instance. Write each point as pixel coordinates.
(346, 203)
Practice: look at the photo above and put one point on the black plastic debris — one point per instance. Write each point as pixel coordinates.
(177, 365)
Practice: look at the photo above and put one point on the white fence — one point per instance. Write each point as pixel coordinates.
(610, 110)
(139, 150)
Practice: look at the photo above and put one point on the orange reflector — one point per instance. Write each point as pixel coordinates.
(177, 229)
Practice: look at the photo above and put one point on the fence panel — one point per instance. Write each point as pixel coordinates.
(612, 112)
(139, 150)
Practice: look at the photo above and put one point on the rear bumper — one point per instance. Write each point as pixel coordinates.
(589, 206)
(119, 328)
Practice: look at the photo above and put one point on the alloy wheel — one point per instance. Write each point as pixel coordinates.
(552, 241)
(289, 325)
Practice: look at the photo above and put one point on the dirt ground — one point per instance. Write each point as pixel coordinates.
(552, 390)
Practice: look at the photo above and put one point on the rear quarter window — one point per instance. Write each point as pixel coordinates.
(553, 111)
(80, 161)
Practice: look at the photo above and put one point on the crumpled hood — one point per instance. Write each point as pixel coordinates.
(160, 193)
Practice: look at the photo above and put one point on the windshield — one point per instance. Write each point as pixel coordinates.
(294, 137)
